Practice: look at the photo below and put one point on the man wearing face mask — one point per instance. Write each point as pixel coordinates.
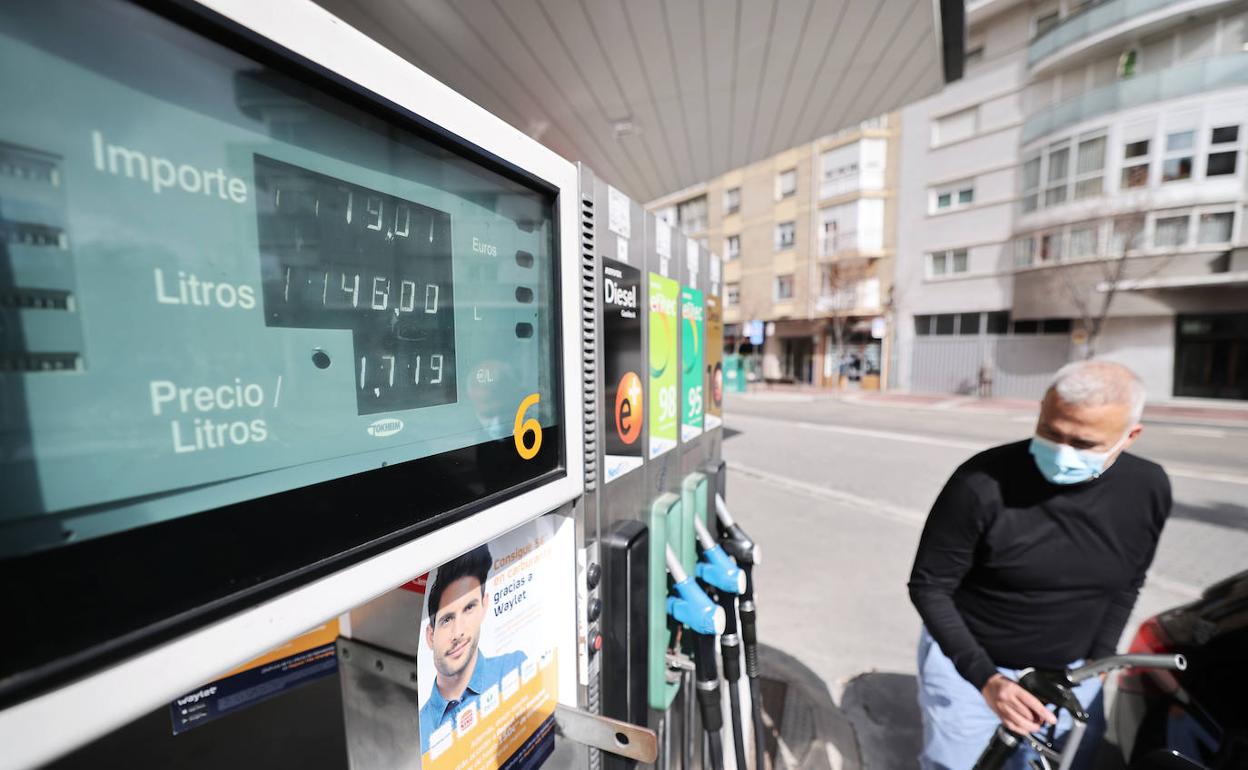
(1033, 556)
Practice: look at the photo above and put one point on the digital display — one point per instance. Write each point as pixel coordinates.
(254, 325)
(335, 255)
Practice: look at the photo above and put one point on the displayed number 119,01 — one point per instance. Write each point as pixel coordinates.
(386, 371)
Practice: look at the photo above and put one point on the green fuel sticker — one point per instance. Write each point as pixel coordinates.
(692, 328)
(664, 295)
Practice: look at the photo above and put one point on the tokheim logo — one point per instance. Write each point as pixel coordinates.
(628, 408)
(386, 427)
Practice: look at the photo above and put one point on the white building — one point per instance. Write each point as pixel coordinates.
(1093, 151)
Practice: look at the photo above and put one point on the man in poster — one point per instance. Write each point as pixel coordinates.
(458, 603)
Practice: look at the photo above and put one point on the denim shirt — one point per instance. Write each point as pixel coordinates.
(437, 711)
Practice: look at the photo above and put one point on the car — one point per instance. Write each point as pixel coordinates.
(1197, 718)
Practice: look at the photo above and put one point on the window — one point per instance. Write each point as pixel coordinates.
(998, 322)
(1135, 164)
(1090, 167)
(946, 262)
(1177, 165)
(1083, 241)
(1051, 247)
(954, 196)
(1046, 22)
(945, 323)
(1024, 251)
(1126, 64)
(691, 215)
(732, 246)
(1215, 227)
(1223, 151)
(954, 127)
(840, 170)
(1055, 326)
(1170, 231)
(1031, 184)
(923, 325)
(1058, 173)
(1128, 234)
(786, 232)
(1026, 327)
(732, 201)
(968, 323)
(732, 292)
(786, 183)
(1050, 175)
(784, 287)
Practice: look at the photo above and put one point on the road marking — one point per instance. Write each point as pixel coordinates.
(889, 435)
(914, 438)
(904, 515)
(1202, 432)
(874, 506)
(1202, 475)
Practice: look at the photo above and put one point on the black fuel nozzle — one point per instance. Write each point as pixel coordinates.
(744, 551)
(707, 675)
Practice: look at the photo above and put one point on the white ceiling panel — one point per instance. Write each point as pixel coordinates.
(659, 95)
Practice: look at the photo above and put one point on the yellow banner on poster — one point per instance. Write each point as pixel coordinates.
(493, 733)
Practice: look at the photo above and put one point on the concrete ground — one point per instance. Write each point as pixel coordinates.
(837, 491)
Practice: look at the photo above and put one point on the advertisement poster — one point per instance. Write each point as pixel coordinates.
(487, 665)
(622, 391)
(692, 325)
(301, 660)
(664, 412)
(714, 362)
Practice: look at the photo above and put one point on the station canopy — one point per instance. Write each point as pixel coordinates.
(660, 95)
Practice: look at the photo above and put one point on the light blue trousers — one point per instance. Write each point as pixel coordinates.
(957, 723)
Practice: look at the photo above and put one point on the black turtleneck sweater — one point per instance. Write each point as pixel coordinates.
(1014, 571)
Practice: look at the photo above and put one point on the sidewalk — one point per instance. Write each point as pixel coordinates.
(1189, 411)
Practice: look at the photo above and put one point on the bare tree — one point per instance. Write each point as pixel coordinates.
(838, 297)
(1093, 299)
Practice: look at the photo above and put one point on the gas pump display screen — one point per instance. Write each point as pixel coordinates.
(251, 317)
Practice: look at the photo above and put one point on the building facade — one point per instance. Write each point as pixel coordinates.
(1081, 191)
(808, 240)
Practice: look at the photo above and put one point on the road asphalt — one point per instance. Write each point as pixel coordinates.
(837, 491)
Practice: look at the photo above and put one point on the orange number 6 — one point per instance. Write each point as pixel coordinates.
(524, 427)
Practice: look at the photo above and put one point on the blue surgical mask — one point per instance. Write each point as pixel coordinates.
(1063, 464)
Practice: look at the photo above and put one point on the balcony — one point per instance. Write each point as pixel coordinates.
(1185, 79)
(854, 298)
(1105, 21)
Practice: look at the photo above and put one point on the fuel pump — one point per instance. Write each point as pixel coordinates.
(694, 610)
(747, 555)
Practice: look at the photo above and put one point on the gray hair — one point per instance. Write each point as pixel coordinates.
(1097, 383)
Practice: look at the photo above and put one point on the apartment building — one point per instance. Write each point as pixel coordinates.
(1081, 190)
(807, 238)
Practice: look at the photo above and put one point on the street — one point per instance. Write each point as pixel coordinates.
(837, 492)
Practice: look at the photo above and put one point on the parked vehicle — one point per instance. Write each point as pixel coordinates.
(1200, 714)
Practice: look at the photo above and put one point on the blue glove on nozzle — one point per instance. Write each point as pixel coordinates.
(692, 608)
(717, 570)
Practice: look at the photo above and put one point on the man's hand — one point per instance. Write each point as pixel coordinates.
(1020, 711)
